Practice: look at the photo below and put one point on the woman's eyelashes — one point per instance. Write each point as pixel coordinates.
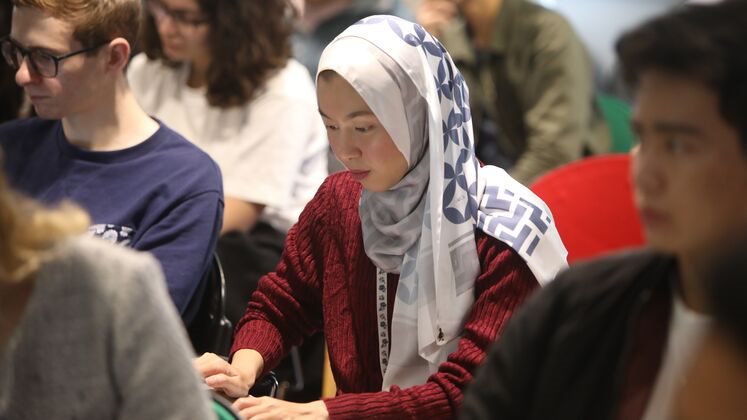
(359, 129)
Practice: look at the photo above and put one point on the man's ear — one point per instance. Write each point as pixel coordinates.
(119, 54)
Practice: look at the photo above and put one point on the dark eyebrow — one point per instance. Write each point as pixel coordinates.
(362, 112)
(670, 127)
(683, 128)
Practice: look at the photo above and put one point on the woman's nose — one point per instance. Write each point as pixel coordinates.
(345, 148)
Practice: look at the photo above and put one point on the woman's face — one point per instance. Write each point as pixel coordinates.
(183, 29)
(356, 136)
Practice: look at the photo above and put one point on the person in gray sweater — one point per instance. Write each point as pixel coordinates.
(87, 329)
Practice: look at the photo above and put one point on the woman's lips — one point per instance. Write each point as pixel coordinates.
(359, 175)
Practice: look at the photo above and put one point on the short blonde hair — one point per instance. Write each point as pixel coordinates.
(29, 232)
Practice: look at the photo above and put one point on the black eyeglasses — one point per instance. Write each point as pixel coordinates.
(181, 18)
(43, 64)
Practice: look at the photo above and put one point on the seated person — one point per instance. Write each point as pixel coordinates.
(412, 260)
(86, 328)
(612, 338)
(531, 79)
(234, 91)
(143, 185)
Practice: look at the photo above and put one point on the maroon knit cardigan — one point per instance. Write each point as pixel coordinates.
(326, 281)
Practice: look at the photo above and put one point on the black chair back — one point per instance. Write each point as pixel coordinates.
(266, 386)
(210, 330)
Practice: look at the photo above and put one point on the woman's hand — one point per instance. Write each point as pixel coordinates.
(266, 408)
(225, 377)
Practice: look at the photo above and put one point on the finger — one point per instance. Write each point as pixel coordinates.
(204, 356)
(245, 402)
(203, 359)
(229, 385)
(269, 416)
(200, 360)
(209, 365)
(209, 359)
(251, 408)
(261, 413)
(265, 408)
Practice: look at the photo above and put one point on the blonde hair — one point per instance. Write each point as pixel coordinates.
(29, 232)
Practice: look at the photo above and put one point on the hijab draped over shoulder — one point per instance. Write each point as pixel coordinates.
(424, 227)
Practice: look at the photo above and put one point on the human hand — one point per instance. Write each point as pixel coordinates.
(435, 15)
(266, 408)
(222, 376)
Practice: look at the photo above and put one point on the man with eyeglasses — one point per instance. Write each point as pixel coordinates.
(143, 185)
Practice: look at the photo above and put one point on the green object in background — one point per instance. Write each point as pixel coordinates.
(617, 115)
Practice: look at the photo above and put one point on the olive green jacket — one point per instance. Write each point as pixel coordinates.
(536, 82)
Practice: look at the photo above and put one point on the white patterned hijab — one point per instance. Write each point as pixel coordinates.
(423, 227)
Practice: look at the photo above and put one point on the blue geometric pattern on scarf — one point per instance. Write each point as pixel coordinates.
(502, 199)
(452, 95)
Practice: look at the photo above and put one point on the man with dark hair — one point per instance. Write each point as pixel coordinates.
(613, 338)
(143, 185)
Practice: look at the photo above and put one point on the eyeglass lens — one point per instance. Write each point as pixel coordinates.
(41, 63)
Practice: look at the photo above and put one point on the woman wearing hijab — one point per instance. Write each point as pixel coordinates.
(412, 260)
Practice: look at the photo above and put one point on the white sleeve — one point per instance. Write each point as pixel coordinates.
(281, 135)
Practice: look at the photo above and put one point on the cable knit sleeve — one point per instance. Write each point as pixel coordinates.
(325, 280)
(505, 282)
(287, 303)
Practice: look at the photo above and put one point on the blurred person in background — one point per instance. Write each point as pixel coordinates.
(531, 80)
(220, 73)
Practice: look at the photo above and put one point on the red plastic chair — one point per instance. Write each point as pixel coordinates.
(592, 203)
